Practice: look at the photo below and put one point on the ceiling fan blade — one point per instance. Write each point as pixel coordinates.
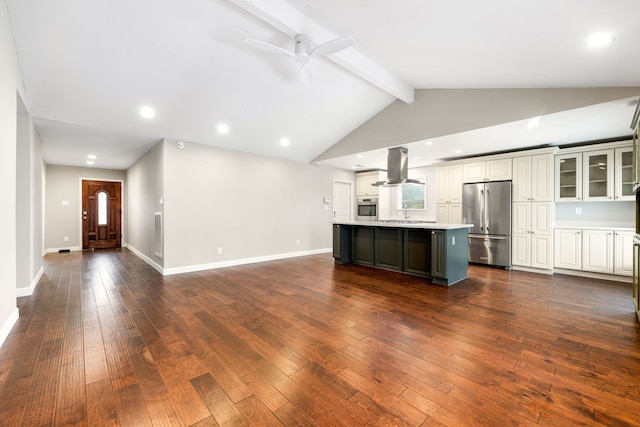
(268, 47)
(332, 46)
(306, 75)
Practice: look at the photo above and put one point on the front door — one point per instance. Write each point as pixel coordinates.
(101, 214)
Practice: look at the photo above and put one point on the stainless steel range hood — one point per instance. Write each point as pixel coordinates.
(397, 169)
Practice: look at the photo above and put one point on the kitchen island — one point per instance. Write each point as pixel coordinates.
(432, 250)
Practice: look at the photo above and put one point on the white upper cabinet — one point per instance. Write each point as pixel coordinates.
(569, 177)
(449, 184)
(532, 178)
(597, 174)
(490, 170)
(364, 181)
(624, 174)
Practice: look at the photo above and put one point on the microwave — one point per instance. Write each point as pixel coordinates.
(367, 208)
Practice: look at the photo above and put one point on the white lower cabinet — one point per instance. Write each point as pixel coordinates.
(567, 248)
(605, 251)
(597, 251)
(449, 213)
(623, 253)
(532, 235)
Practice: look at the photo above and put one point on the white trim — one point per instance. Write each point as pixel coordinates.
(613, 277)
(532, 270)
(146, 259)
(222, 264)
(56, 250)
(27, 292)
(6, 328)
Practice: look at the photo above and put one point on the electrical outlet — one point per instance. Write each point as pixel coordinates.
(219, 251)
(66, 238)
(578, 211)
(297, 242)
(453, 240)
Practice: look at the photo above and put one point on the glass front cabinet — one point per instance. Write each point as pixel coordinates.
(569, 177)
(595, 175)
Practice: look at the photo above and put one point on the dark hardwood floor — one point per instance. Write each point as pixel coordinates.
(106, 340)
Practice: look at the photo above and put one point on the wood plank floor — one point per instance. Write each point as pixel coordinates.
(106, 340)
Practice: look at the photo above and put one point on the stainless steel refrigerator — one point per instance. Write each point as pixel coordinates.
(487, 205)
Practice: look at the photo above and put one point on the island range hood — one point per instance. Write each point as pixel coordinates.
(397, 169)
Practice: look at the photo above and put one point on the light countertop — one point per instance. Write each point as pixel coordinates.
(406, 224)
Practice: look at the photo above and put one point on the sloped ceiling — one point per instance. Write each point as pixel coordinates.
(88, 68)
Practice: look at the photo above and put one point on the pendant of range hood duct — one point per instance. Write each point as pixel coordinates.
(397, 169)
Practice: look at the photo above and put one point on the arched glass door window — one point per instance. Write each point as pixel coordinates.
(102, 208)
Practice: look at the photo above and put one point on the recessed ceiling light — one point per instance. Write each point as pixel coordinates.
(416, 158)
(284, 142)
(428, 143)
(600, 39)
(458, 151)
(89, 162)
(147, 112)
(91, 156)
(223, 128)
(359, 156)
(533, 122)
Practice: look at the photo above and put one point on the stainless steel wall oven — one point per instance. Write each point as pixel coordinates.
(367, 208)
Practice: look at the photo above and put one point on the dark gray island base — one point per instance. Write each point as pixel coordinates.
(436, 251)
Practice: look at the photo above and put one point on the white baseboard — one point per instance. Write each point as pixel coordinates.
(614, 277)
(532, 270)
(27, 292)
(56, 250)
(222, 264)
(8, 325)
(146, 259)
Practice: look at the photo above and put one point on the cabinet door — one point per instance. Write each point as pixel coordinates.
(473, 172)
(455, 213)
(498, 170)
(455, 184)
(541, 251)
(362, 245)
(442, 213)
(567, 248)
(442, 185)
(363, 184)
(597, 246)
(623, 253)
(521, 217)
(521, 250)
(597, 175)
(521, 186)
(541, 217)
(542, 178)
(623, 166)
(568, 178)
(438, 254)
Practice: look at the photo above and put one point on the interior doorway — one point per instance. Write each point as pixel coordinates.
(101, 214)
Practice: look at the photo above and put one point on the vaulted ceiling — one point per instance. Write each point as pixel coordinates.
(89, 67)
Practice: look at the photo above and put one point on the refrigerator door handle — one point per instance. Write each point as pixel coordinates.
(487, 237)
(486, 217)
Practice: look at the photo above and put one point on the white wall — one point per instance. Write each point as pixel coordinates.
(29, 209)
(10, 86)
(63, 185)
(144, 188)
(248, 205)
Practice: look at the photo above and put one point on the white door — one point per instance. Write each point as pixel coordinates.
(567, 249)
(521, 250)
(623, 253)
(541, 251)
(598, 251)
(342, 201)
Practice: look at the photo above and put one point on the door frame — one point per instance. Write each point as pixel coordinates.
(123, 243)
